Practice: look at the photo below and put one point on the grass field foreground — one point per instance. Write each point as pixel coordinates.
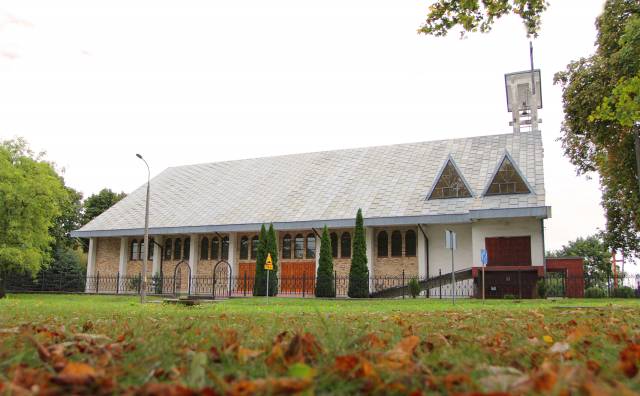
(58, 344)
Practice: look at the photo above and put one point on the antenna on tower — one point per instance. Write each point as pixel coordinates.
(524, 97)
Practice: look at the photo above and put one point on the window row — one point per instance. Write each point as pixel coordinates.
(218, 249)
(396, 244)
(136, 249)
(344, 245)
(302, 247)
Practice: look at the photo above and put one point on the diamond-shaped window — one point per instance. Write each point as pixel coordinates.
(507, 180)
(450, 184)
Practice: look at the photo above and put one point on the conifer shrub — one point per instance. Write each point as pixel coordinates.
(325, 283)
(359, 272)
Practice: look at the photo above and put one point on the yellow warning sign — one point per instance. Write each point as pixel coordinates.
(269, 264)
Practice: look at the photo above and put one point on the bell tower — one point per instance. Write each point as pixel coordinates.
(524, 98)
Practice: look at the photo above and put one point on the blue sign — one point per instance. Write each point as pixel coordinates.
(484, 258)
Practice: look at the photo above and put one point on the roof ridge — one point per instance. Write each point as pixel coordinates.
(342, 150)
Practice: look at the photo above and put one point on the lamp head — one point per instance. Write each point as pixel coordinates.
(139, 156)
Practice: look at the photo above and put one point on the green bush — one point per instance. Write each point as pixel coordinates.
(414, 288)
(325, 283)
(510, 297)
(595, 292)
(542, 288)
(623, 292)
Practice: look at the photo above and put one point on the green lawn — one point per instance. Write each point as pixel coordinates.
(246, 346)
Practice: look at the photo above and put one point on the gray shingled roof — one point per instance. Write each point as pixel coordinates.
(385, 181)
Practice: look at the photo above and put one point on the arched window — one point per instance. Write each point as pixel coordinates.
(311, 246)
(167, 249)
(141, 256)
(255, 241)
(224, 253)
(334, 244)
(215, 248)
(135, 250)
(244, 248)
(177, 249)
(204, 249)
(410, 243)
(286, 247)
(345, 245)
(186, 251)
(396, 244)
(298, 250)
(151, 247)
(383, 244)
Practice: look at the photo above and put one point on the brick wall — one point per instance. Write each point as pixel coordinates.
(393, 266)
(107, 256)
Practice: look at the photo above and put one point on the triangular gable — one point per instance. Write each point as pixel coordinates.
(507, 179)
(450, 183)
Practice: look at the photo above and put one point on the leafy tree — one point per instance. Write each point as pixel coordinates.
(259, 287)
(272, 248)
(359, 272)
(96, 204)
(70, 219)
(66, 263)
(597, 258)
(325, 284)
(480, 15)
(600, 94)
(31, 192)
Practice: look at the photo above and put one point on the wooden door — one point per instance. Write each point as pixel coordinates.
(508, 251)
(298, 277)
(246, 275)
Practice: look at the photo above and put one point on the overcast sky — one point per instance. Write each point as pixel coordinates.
(94, 82)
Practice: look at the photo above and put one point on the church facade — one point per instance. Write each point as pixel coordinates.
(489, 190)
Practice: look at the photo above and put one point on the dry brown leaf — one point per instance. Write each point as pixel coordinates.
(246, 354)
(75, 373)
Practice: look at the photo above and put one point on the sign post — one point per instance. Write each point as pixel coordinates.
(484, 258)
(450, 243)
(268, 266)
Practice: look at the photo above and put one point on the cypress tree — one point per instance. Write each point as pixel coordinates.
(359, 272)
(259, 287)
(325, 286)
(272, 247)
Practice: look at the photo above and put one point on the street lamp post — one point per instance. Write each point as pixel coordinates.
(143, 286)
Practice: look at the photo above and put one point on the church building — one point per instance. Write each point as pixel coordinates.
(488, 189)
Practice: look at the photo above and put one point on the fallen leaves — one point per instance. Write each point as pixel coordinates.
(629, 359)
(76, 373)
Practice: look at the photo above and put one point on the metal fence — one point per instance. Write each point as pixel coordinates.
(224, 286)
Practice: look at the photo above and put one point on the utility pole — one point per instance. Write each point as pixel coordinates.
(143, 286)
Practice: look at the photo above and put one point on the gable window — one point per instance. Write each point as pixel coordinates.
(177, 249)
(167, 249)
(383, 244)
(345, 245)
(286, 247)
(244, 248)
(508, 251)
(255, 242)
(450, 184)
(186, 251)
(134, 250)
(507, 180)
(215, 248)
(298, 250)
(204, 249)
(334, 244)
(224, 253)
(410, 243)
(396, 244)
(311, 246)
